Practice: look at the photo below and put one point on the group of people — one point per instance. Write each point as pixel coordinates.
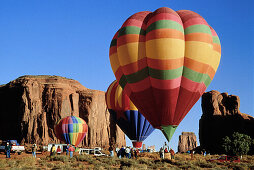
(69, 150)
(127, 152)
(165, 150)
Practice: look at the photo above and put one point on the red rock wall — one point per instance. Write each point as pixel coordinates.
(30, 106)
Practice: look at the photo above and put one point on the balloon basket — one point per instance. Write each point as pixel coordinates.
(137, 144)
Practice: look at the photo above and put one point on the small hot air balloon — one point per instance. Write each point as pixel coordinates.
(164, 61)
(127, 116)
(71, 130)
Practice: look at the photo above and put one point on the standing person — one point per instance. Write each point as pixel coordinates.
(165, 146)
(192, 154)
(34, 148)
(111, 150)
(162, 153)
(67, 149)
(135, 153)
(122, 152)
(127, 152)
(132, 153)
(172, 152)
(53, 150)
(8, 150)
(71, 150)
(58, 151)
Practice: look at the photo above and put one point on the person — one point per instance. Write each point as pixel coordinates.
(71, 150)
(58, 151)
(34, 148)
(122, 152)
(53, 150)
(127, 152)
(172, 152)
(135, 153)
(111, 150)
(132, 153)
(67, 149)
(192, 154)
(162, 153)
(166, 150)
(8, 150)
(165, 145)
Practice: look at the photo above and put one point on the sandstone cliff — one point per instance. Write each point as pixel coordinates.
(187, 141)
(30, 106)
(221, 117)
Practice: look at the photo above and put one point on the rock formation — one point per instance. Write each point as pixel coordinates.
(221, 117)
(30, 106)
(187, 141)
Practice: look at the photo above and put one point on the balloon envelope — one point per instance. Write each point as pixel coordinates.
(71, 130)
(164, 61)
(127, 116)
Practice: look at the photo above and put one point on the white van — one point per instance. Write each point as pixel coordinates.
(95, 152)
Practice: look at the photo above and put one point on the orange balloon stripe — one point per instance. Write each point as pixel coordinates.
(217, 47)
(164, 33)
(130, 38)
(199, 67)
(203, 37)
(112, 50)
(152, 63)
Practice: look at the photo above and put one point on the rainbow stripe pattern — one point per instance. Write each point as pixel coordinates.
(164, 61)
(126, 115)
(71, 129)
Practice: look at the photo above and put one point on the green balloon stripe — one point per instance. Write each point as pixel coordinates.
(197, 28)
(113, 43)
(131, 30)
(216, 40)
(165, 24)
(165, 75)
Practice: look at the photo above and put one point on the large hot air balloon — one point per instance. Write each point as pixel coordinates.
(164, 61)
(71, 130)
(127, 116)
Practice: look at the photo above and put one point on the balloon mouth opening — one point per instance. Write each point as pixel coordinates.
(168, 131)
(137, 144)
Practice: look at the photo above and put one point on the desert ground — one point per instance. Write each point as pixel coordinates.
(144, 161)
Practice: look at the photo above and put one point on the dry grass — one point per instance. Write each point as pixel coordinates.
(144, 161)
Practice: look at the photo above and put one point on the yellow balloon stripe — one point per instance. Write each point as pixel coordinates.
(165, 48)
(108, 95)
(202, 52)
(114, 61)
(131, 52)
(118, 96)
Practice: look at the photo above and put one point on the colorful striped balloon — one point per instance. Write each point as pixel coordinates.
(126, 115)
(164, 61)
(71, 129)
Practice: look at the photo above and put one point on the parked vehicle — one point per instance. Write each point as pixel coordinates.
(225, 158)
(15, 146)
(95, 152)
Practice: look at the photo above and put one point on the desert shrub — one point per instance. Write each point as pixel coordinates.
(204, 164)
(128, 162)
(109, 161)
(61, 158)
(3, 163)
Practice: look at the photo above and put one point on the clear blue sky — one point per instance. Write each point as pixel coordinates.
(72, 38)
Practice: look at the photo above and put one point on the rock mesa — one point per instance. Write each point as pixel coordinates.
(30, 106)
(221, 117)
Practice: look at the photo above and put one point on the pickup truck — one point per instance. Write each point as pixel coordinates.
(225, 158)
